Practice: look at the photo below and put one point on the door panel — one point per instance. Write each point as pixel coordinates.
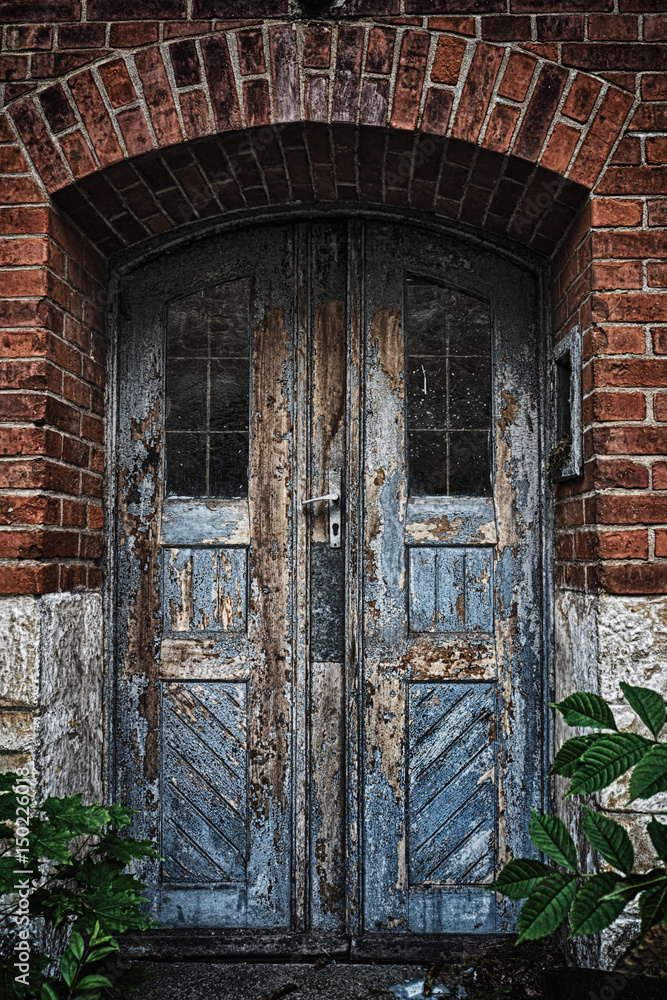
(336, 734)
(451, 589)
(206, 666)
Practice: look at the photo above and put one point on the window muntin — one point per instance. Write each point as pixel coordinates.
(448, 376)
(208, 392)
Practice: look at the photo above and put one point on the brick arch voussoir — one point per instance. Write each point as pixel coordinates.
(489, 134)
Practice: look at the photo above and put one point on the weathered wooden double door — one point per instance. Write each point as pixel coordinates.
(329, 713)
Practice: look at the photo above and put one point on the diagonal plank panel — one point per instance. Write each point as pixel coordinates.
(451, 787)
(204, 782)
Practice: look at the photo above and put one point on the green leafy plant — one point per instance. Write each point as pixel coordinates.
(70, 862)
(592, 762)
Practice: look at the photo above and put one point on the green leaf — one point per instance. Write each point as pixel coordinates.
(8, 797)
(610, 839)
(546, 907)
(69, 966)
(658, 834)
(519, 877)
(126, 849)
(120, 815)
(648, 705)
(565, 761)
(47, 992)
(591, 911)
(77, 945)
(627, 888)
(653, 906)
(70, 814)
(650, 775)
(609, 757)
(584, 708)
(93, 982)
(549, 834)
(102, 951)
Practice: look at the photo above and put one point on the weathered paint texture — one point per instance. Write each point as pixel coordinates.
(206, 615)
(342, 740)
(51, 691)
(451, 594)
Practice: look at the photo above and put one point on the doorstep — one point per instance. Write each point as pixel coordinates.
(273, 981)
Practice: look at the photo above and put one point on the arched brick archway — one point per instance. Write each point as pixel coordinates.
(488, 101)
(491, 135)
(495, 136)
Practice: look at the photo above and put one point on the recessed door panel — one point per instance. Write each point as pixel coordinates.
(451, 580)
(329, 645)
(206, 545)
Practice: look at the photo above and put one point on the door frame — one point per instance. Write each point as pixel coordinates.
(248, 944)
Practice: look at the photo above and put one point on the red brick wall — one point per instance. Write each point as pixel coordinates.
(505, 114)
(52, 282)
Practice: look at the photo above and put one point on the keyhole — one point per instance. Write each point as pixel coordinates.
(334, 528)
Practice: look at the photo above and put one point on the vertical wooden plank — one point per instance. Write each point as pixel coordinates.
(384, 586)
(479, 589)
(177, 600)
(422, 583)
(450, 587)
(271, 606)
(353, 541)
(327, 798)
(328, 344)
(302, 582)
(139, 501)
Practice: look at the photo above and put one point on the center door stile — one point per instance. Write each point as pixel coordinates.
(301, 575)
(356, 230)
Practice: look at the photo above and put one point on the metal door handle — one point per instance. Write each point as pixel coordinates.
(333, 499)
(326, 496)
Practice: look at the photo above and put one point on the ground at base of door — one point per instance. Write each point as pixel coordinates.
(268, 981)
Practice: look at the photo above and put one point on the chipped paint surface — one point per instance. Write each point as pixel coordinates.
(448, 565)
(242, 620)
(206, 522)
(429, 523)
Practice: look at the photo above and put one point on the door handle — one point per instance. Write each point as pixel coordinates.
(333, 500)
(325, 496)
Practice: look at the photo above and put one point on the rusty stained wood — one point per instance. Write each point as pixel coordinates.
(331, 779)
(327, 429)
(222, 625)
(411, 547)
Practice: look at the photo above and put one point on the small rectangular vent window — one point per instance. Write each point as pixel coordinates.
(448, 375)
(566, 457)
(208, 392)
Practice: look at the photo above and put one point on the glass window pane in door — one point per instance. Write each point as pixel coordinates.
(208, 392)
(448, 375)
